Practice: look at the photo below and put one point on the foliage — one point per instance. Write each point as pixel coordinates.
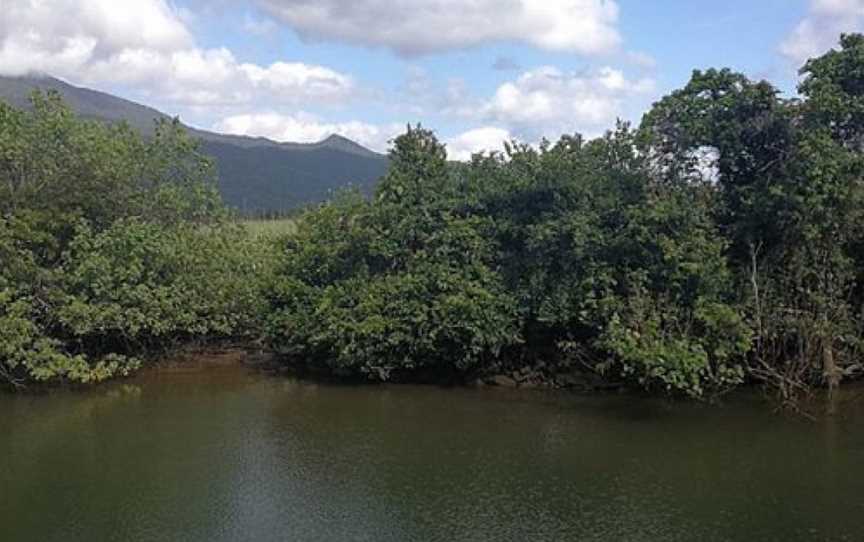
(394, 286)
(721, 240)
(789, 201)
(607, 253)
(455, 268)
(112, 247)
(272, 227)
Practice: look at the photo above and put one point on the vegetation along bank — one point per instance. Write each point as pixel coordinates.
(719, 243)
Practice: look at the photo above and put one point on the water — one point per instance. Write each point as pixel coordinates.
(229, 455)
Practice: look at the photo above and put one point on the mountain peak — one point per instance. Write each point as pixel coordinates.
(336, 141)
(336, 138)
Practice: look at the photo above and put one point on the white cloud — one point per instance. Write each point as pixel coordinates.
(548, 102)
(488, 138)
(307, 128)
(63, 35)
(145, 44)
(412, 27)
(820, 29)
(281, 77)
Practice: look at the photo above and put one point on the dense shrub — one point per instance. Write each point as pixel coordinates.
(393, 286)
(557, 250)
(113, 248)
(721, 240)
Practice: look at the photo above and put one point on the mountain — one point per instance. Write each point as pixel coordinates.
(256, 174)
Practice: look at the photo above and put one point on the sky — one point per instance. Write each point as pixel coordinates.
(478, 72)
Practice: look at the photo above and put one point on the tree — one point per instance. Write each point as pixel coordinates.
(112, 247)
(396, 287)
(788, 199)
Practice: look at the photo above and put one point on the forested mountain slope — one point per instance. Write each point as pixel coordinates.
(256, 175)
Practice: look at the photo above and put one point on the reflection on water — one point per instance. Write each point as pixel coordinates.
(229, 455)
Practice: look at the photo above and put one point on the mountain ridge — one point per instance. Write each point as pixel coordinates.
(256, 174)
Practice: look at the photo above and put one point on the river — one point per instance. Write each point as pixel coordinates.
(228, 454)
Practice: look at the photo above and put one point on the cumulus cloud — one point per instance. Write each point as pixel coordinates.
(145, 43)
(548, 102)
(50, 36)
(487, 138)
(825, 21)
(308, 128)
(414, 27)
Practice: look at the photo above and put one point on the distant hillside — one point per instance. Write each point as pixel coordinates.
(255, 174)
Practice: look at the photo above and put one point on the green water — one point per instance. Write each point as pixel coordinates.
(229, 455)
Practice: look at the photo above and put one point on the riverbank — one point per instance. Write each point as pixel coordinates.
(239, 360)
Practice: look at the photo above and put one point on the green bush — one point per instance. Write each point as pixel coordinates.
(721, 241)
(471, 269)
(113, 248)
(395, 286)
(450, 320)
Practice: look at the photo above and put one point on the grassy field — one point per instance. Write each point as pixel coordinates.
(260, 227)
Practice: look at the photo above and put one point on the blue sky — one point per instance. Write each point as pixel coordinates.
(476, 71)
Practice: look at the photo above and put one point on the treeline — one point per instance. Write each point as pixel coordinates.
(113, 248)
(719, 242)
